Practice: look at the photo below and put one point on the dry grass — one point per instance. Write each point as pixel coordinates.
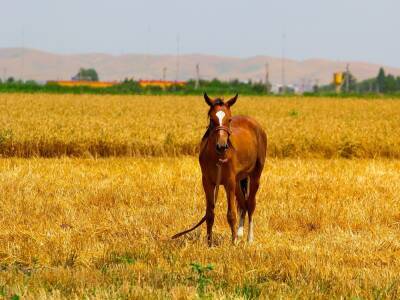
(86, 228)
(100, 228)
(88, 125)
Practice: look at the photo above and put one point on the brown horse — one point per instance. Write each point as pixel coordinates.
(232, 153)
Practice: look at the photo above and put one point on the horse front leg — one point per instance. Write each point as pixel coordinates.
(209, 189)
(232, 211)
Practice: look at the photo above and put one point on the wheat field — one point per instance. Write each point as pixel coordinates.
(101, 126)
(87, 210)
(100, 229)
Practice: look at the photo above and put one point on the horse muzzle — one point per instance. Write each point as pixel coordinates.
(222, 144)
(221, 148)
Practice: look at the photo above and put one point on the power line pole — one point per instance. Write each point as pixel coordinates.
(197, 84)
(164, 74)
(23, 53)
(147, 55)
(177, 56)
(316, 86)
(267, 78)
(347, 78)
(283, 64)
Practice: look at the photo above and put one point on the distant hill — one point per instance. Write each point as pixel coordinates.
(41, 66)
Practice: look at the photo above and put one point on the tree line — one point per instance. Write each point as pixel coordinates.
(381, 84)
(130, 86)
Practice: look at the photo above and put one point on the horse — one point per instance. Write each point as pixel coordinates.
(232, 153)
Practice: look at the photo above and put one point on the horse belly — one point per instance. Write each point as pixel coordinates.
(246, 157)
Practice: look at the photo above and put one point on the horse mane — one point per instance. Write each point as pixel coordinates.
(218, 101)
(208, 131)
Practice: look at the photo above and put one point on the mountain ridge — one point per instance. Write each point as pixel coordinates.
(44, 65)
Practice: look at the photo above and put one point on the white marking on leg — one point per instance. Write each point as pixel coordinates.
(241, 224)
(220, 115)
(250, 237)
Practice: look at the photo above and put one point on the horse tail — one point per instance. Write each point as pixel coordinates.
(191, 229)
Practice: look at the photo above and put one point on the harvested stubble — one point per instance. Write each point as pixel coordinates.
(89, 228)
(99, 126)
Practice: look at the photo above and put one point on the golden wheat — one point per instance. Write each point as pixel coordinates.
(100, 228)
(88, 125)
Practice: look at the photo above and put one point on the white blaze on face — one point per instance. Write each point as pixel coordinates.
(220, 115)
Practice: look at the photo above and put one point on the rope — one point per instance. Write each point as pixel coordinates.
(218, 181)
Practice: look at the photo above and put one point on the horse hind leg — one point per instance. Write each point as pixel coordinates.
(251, 202)
(244, 186)
(233, 204)
(242, 193)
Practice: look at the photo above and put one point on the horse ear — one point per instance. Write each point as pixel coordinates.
(232, 101)
(208, 100)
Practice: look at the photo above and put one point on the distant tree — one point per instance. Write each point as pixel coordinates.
(234, 82)
(352, 82)
(380, 80)
(258, 87)
(86, 74)
(215, 82)
(10, 80)
(367, 85)
(31, 82)
(390, 84)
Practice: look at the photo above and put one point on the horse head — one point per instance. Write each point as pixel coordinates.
(220, 120)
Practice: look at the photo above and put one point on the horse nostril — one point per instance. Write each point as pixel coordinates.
(221, 148)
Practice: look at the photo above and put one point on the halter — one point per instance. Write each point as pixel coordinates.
(224, 128)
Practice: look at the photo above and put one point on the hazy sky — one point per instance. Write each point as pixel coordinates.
(363, 30)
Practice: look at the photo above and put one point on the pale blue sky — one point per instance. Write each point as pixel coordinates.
(363, 30)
